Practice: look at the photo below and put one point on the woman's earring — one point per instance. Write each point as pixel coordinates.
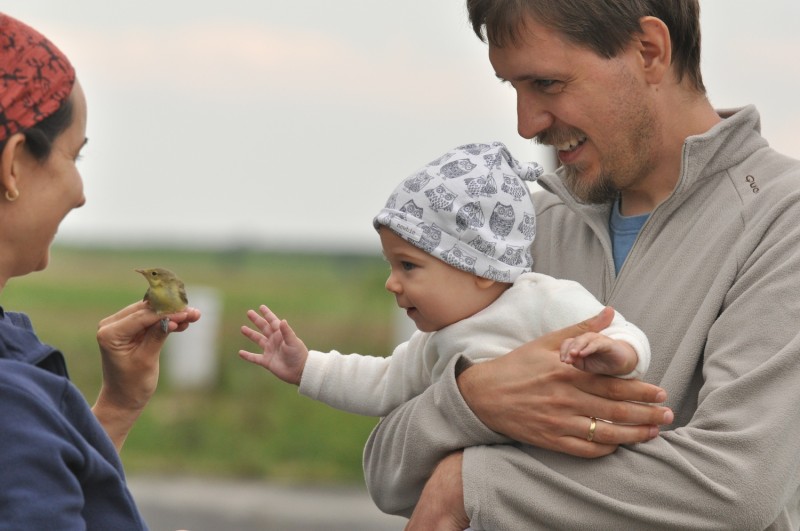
(12, 196)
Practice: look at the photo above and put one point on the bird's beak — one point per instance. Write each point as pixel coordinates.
(140, 271)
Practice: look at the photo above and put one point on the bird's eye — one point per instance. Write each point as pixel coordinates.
(154, 273)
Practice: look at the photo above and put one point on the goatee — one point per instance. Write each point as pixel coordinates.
(598, 192)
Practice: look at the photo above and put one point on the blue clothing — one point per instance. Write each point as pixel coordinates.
(623, 230)
(59, 469)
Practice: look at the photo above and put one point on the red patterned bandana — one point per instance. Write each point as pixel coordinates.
(36, 77)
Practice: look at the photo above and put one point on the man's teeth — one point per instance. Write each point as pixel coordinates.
(571, 144)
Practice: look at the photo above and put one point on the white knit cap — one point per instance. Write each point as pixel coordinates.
(470, 208)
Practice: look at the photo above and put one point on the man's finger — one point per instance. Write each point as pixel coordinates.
(619, 389)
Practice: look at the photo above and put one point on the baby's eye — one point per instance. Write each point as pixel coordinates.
(407, 266)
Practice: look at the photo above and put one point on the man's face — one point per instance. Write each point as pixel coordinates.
(594, 111)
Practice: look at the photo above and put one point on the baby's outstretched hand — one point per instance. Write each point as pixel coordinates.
(599, 354)
(284, 354)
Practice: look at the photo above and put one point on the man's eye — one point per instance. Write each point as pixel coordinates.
(548, 85)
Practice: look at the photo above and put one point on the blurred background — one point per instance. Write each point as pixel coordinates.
(247, 145)
(287, 123)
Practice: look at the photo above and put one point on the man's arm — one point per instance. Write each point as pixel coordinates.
(726, 465)
(407, 445)
(531, 397)
(718, 472)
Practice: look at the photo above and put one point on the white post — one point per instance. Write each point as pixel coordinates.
(190, 357)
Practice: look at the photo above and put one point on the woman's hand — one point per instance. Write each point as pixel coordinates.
(130, 345)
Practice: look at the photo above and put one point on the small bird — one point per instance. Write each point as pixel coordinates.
(166, 293)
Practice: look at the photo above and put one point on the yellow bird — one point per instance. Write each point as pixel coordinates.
(166, 293)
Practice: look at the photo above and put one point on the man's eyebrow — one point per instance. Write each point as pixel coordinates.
(523, 77)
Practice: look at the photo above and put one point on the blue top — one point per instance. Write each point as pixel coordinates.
(60, 469)
(623, 230)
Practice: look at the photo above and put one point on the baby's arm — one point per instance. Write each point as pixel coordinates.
(599, 354)
(284, 354)
(365, 385)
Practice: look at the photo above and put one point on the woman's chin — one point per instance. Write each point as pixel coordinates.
(44, 261)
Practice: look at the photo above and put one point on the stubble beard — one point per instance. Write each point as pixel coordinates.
(595, 191)
(598, 191)
(620, 169)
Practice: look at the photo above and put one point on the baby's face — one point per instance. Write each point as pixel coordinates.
(433, 293)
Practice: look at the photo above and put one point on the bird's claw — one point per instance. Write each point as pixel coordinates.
(164, 325)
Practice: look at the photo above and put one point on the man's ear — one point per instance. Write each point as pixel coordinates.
(9, 163)
(655, 49)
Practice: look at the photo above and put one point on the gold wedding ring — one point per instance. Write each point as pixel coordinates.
(592, 427)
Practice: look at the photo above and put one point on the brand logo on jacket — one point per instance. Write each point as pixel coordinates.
(752, 182)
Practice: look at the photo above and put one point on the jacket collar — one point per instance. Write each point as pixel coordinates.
(727, 144)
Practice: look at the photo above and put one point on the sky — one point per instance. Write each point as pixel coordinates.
(287, 123)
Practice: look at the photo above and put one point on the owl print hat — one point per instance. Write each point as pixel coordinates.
(470, 208)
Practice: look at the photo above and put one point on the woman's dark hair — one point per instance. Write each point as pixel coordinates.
(39, 138)
(603, 26)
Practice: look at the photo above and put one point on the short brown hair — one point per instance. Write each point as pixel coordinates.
(604, 26)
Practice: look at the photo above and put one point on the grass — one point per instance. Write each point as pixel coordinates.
(248, 424)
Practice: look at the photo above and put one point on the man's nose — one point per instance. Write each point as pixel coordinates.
(532, 116)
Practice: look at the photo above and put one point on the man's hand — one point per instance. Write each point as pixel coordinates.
(441, 504)
(531, 397)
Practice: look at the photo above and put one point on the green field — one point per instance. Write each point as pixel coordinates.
(249, 424)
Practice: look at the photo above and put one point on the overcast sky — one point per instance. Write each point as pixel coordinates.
(289, 122)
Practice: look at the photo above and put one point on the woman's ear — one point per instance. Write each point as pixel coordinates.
(655, 49)
(10, 163)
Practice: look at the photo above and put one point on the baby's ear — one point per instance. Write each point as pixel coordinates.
(484, 283)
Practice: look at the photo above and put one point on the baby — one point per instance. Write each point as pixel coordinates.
(457, 236)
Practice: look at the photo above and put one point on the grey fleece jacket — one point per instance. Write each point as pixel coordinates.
(714, 281)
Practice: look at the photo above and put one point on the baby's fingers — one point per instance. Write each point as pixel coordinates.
(252, 357)
(258, 321)
(571, 348)
(288, 334)
(594, 345)
(270, 317)
(254, 336)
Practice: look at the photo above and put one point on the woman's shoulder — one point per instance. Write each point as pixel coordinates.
(20, 379)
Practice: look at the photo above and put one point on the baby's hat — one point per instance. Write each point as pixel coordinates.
(470, 208)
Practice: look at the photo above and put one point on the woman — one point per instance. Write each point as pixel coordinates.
(59, 458)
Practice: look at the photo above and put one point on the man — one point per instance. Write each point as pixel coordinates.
(709, 270)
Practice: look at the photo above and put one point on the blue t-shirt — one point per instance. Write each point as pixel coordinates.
(60, 469)
(623, 230)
